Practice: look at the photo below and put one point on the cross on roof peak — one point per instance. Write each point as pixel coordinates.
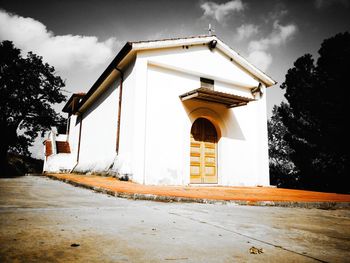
(210, 30)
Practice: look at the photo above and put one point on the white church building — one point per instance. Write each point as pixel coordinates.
(169, 112)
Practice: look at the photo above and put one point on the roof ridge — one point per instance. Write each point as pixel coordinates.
(168, 39)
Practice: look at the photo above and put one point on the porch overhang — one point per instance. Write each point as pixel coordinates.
(208, 95)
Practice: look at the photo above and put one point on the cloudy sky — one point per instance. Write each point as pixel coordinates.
(79, 37)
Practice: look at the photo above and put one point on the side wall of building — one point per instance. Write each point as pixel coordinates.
(98, 132)
(73, 136)
(99, 128)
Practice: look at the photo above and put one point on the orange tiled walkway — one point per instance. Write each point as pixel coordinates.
(253, 194)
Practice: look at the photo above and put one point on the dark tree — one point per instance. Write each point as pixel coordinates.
(282, 170)
(317, 114)
(28, 88)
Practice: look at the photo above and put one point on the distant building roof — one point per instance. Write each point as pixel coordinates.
(73, 102)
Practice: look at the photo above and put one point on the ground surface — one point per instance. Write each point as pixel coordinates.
(40, 219)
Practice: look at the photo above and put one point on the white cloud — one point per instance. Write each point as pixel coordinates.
(258, 49)
(220, 12)
(261, 59)
(63, 52)
(278, 13)
(246, 31)
(326, 3)
(278, 36)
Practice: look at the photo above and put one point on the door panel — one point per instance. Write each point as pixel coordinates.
(203, 152)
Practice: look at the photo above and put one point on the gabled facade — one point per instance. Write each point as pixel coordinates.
(172, 112)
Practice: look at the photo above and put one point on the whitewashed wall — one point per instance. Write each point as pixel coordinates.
(62, 162)
(98, 133)
(124, 163)
(73, 136)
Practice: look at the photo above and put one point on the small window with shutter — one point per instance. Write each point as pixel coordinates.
(207, 83)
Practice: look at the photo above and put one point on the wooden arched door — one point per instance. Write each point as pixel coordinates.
(203, 152)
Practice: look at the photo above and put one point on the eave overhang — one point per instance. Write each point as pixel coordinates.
(106, 73)
(208, 95)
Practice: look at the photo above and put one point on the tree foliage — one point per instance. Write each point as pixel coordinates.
(28, 89)
(282, 170)
(316, 116)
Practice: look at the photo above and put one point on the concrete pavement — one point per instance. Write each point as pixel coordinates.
(42, 220)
